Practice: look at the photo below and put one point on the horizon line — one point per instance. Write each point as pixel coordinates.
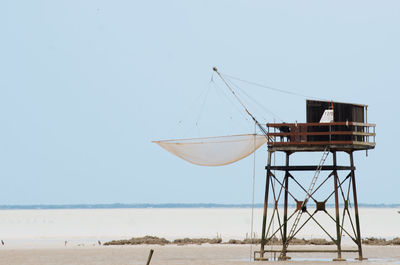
(165, 205)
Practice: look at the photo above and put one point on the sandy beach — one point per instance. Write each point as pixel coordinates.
(176, 255)
(37, 237)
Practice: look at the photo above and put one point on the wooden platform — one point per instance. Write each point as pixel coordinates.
(308, 137)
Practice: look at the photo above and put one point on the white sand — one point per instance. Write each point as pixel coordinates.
(105, 224)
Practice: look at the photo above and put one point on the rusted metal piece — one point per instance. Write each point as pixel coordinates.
(298, 205)
(320, 206)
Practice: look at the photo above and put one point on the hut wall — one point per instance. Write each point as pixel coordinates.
(342, 112)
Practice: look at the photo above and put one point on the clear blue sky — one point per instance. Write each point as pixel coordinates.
(86, 85)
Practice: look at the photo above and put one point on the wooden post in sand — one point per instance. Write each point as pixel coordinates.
(150, 255)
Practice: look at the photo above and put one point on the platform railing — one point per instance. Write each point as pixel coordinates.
(334, 133)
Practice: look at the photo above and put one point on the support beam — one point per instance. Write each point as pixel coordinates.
(309, 168)
(358, 236)
(337, 221)
(336, 190)
(285, 210)
(267, 181)
(311, 250)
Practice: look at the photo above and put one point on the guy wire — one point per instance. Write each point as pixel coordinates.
(254, 184)
(275, 89)
(254, 100)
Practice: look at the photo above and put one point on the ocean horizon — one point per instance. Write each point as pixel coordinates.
(165, 205)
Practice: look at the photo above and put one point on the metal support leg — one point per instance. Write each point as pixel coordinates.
(285, 211)
(263, 236)
(358, 236)
(338, 236)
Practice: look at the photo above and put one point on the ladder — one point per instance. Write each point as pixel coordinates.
(308, 195)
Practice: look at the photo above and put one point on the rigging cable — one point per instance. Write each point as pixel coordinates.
(220, 91)
(202, 108)
(174, 128)
(255, 101)
(253, 191)
(275, 89)
(262, 129)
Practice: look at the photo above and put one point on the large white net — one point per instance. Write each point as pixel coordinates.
(214, 151)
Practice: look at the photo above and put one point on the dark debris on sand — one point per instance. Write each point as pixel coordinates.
(147, 240)
(197, 241)
(152, 240)
(381, 241)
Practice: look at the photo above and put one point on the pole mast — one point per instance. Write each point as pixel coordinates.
(262, 129)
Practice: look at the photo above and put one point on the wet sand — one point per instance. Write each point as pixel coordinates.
(177, 255)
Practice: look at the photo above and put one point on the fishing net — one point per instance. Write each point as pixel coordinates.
(214, 151)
